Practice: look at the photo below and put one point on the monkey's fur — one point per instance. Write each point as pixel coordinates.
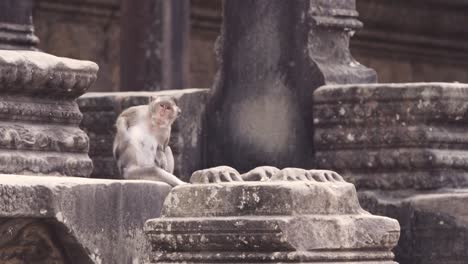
(141, 142)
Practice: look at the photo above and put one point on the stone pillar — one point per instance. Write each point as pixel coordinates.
(155, 45)
(39, 131)
(269, 222)
(273, 55)
(405, 147)
(16, 28)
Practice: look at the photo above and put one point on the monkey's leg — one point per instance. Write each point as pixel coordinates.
(153, 174)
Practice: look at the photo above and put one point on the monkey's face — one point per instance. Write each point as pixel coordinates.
(164, 111)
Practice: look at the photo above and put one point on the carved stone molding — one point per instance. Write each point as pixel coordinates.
(394, 136)
(269, 222)
(39, 118)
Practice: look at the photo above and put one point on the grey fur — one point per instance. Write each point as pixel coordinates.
(141, 143)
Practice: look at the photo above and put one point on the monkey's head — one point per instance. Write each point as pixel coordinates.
(163, 110)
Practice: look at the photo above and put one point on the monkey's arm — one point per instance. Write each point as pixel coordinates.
(152, 173)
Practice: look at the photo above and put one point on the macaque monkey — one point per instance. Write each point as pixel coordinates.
(141, 142)
(264, 173)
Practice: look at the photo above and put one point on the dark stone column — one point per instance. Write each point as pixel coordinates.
(16, 28)
(154, 45)
(273, 55)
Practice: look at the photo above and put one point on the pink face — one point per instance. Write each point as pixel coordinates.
(164, 112)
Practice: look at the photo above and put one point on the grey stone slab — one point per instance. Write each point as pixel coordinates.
(74, 220)
(393, 136)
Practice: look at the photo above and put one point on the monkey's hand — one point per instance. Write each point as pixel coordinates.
(216, 175)
(263, 173)
(296, 174)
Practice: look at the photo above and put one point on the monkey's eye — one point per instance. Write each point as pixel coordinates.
(167, 107)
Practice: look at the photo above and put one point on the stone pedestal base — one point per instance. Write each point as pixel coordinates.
(269, 222)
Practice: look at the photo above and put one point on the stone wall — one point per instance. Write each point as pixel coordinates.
(91, 30)
(394, 42)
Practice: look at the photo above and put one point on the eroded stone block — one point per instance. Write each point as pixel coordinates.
(68, 220)
(394, 136)
(269, 222)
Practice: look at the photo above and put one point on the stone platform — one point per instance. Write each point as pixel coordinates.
(269, 222)
(68, 220)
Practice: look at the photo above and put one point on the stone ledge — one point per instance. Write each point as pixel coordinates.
(35, 73)
(93, 221)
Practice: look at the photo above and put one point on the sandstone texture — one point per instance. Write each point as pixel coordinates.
(394, 136)
(39, 119)
(100, 110)
(269, 222)
(68, 220)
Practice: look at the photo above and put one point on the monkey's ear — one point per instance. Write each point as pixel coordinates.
(153, 98)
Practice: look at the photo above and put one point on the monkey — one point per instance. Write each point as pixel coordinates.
(141, 142)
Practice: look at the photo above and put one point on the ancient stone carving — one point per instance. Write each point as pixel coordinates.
(39, 119)
(27, 240)
(270, 222)
(264, 173)
(393, 136)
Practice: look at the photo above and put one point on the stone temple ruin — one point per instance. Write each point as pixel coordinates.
(288, 93)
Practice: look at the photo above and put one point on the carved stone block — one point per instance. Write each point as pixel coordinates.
(39, 119)
(100, 111)
(394, 136)
(68, 220)
(269, 222)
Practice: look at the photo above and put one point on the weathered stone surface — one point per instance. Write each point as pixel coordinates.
(100, 111)
(39, 118)
(434, 226)
(273, 55)
(269, 222)
(16, 28)
(55, 220)
(394, 136)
